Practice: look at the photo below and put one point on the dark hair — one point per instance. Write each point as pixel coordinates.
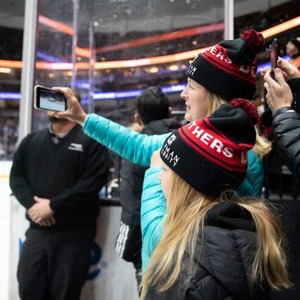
(152, 104)
(296, 43)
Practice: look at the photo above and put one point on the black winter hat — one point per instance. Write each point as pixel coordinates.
(229, 68)
(210, 154)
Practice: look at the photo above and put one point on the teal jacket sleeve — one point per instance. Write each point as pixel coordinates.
(129, 144)
(153, 212)
(253, 183)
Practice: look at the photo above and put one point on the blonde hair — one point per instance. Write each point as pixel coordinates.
(270, 263)
(262, 145)
(185, 221)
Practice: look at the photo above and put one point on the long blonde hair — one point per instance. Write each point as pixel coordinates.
(262, 145)
(270, 263)
(184, 222)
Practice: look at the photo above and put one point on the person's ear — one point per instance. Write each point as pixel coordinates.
(170, 111)
(137, 119)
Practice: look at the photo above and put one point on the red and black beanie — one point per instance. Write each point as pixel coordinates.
(229, 68)
(210, 154)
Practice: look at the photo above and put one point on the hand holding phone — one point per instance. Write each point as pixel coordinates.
(274, 56)
(47, 99)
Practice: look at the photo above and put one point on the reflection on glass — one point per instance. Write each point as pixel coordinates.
(135, 43)
(134, 46)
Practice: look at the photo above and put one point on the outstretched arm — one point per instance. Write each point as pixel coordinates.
(129, 144)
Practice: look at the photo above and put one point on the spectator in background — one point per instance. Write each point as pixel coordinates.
(56, 175)
(293, 50)
(153, 113)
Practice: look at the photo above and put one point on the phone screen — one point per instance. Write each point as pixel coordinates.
(274, 55)
(48, 99)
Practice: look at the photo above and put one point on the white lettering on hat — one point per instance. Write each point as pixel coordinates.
(217, 145)
(204, 136)
(219, 54)
(248, 69)
(228, 152)
(191, 125)
(209, 140)
(171, 139)
(171, 157)
(192, 70)
(197, 132)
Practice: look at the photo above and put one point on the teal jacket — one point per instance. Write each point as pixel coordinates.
(139, 148)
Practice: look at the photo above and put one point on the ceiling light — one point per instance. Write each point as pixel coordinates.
(5, 70)
(173, 67)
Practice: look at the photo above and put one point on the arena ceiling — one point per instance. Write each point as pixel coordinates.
(144, 15)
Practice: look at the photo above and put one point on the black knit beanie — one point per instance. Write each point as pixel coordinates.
(210, 154)
(229, 68)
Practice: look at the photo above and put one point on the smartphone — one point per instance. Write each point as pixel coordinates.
(47, 99)
(274, 56)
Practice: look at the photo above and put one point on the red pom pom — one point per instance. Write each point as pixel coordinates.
(254, 40)
(265, 130)
(268, 133)
(248, 107)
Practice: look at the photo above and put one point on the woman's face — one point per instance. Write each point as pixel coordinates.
(165, 178)
(195, 97)
(291, 49)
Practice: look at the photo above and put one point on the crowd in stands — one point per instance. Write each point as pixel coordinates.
(132, 78)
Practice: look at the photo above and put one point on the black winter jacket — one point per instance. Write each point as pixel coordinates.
(129, 240)
(223, 260)
(286, 131)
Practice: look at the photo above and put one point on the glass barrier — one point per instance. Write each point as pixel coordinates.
(111, 50)
(121, 47)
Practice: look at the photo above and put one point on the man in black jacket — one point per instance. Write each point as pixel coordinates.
(153, 113)
(56, 175)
